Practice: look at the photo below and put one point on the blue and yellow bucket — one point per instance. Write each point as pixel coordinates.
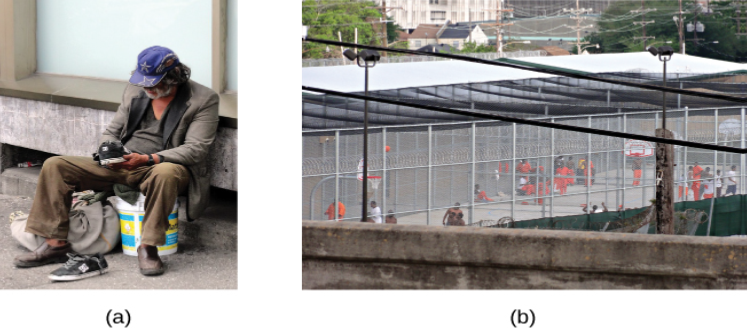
(131, 223)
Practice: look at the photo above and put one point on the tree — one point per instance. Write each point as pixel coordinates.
(326, 17)
(392, 30)
(473, 47)
(617, 32)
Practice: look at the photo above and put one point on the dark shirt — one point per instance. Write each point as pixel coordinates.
(148, 138)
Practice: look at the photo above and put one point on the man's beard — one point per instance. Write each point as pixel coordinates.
(159, 92)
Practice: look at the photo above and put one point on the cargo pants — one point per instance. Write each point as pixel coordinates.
(61, 176)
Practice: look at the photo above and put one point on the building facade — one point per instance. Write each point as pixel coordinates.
(411, 13)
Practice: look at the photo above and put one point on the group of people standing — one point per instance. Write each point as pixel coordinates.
(567, 173)
(709, 185)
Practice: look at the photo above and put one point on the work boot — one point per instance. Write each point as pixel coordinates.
(43, 255)
(149, 261)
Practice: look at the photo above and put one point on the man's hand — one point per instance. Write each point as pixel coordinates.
(133, 161)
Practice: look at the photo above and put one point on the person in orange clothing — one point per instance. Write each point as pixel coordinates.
(543, 187)
(481, 196)
(561, 182)
(528, 188)
(331, 211)
(697, 171)
(569, 176)
(523, 167)
(637, 163)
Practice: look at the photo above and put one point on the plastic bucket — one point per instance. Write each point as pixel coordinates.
(131, 224)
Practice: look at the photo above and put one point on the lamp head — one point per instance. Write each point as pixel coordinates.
(666, 50)
(665, 53)
(350, 54)
(653, 50)
(369, 55)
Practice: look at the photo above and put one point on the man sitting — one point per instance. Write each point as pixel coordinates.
(169, 122)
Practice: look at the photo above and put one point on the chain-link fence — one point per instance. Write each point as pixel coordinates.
(497, 170)
(419, 58)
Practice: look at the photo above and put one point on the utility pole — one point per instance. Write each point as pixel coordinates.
(577, 12)
(383, 9)
(680, 23)
(499, 27)
(643, 22)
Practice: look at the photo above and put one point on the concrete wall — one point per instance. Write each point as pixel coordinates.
(370, 256)
(75, 131)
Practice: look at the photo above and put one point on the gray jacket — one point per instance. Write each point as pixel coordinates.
(188, 134)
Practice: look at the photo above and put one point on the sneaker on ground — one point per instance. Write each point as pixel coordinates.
(80, 267)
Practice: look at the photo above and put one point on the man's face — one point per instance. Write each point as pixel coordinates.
(158, 91)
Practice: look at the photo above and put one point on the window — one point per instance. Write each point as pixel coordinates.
(456, 44)
(116, 31)
(438, 15)
(433, 2)
(418, 43)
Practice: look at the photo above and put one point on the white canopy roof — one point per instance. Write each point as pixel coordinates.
(407, 75)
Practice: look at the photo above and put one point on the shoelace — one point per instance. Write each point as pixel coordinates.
(72, 260)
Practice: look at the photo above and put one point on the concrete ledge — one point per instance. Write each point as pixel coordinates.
(75, 131)
(19, 181)
(360, 255)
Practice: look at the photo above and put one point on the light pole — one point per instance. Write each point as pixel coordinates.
(590, 46)
(664, 157)
(368, 56)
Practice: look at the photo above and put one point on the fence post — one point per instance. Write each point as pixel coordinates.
(588, 168)
(684, 155)
(607, 166)
(624, 159)
(513, 168)
(715, 153)
(472, 177)
(430, 174)
(742, 156)
(383, 173)
(679, 96)
(552, 169)
(337, 173)
(608, 97)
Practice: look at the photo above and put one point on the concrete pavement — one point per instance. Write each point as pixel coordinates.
(206, 258)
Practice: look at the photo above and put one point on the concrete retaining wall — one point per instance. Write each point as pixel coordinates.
(75, 131)
(369, 256)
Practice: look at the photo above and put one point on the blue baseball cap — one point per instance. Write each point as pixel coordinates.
(152, 65)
